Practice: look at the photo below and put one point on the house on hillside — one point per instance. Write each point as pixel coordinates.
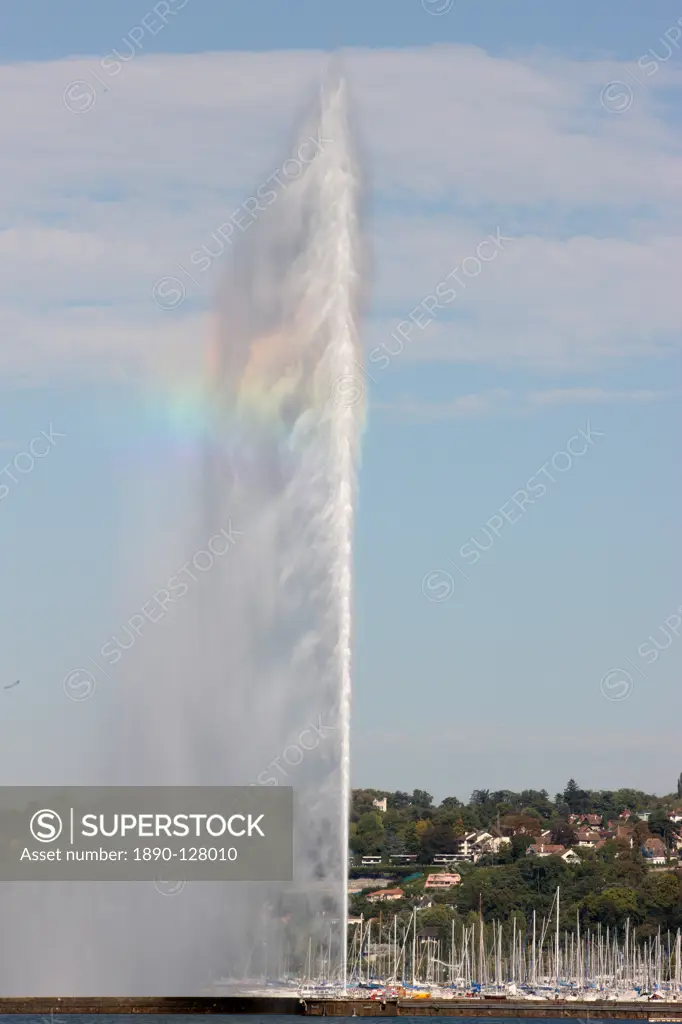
(491, 842)
(442, 881)
(587, 837)
(381, 805)
(654, 851)
(520, 830)
(545, 850)
(385, 896)
(553, 850)
(595, 820)
(589, 820)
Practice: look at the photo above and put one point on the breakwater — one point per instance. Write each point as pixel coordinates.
(655, 1011)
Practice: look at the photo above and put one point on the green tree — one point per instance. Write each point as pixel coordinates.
(640, 832)
(437, 838)
(438, 917)
(632, 799)
(563, 834)
(613, 906)
(660, 825)
(369, 834)
(575, 798)
(519, 846)
(412, 838)
(661, 892)
(362, 802)
(398, 800)
(602, 803)
(538, 801)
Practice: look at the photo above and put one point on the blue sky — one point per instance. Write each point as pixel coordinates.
(533, 120)
(37, 30)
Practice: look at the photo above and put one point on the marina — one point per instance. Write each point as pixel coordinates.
(543, 963)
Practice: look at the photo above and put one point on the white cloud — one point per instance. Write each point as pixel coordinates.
(97, 206)
(554, 303)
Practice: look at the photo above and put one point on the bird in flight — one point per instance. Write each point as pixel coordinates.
(10, 685)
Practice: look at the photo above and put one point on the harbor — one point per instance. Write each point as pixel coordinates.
(544, 963)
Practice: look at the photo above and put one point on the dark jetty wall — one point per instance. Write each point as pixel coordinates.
(293, 1006)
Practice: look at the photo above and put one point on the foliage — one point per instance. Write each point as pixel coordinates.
(609, 885)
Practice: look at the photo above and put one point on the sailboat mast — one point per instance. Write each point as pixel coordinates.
(557, 936)
(414, 945)
(480, 941)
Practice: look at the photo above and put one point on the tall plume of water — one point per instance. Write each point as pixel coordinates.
(248, 679)
(285, 380)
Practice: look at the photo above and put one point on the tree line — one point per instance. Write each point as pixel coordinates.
(413, 824)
